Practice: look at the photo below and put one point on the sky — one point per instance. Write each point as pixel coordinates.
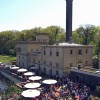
(27, 14)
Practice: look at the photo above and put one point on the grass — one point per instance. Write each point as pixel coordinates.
(7, 58)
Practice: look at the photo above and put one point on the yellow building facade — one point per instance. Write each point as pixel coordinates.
(52, 59)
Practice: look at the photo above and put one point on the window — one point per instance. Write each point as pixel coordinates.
(50, 53)
(79, 52)
(34, 60)
(44, 69)
(50, 64)
(79, 61)
(57, 73)
(86, 51)
(86, 63)
(22, 64)
(38, 62)
(71, 51)
(57, 53)
(19, 63)
(38, 40)
(50, 72)
(57, 64)
(44, 52)
(18, 49)
(71, 64)
(44, 40)
(44, 62)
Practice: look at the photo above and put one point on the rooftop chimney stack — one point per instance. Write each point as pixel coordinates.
(68, 20)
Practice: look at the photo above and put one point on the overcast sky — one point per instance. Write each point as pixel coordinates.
(27, 14)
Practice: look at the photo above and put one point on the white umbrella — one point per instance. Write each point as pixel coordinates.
(33, 78)
(34, 68)
(22, 70)
(98, 71)
(30, 93)
(29, 73)
(15, 67)
(49, 81)
(32, 85)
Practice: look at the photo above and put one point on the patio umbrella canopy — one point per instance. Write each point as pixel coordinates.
(15, 67)
(49, 81)
(32, 85)
(34, 78)
(30, 93)
(29, 73)
(34, 68)
(22, 70)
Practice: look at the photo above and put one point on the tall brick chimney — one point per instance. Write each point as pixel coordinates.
(69, 20)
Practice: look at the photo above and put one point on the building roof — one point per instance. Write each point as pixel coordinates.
(69, 44)
(31, 42)
(42, 34)
(66, 44)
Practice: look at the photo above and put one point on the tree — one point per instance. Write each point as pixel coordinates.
(87, 32)
(54, 31)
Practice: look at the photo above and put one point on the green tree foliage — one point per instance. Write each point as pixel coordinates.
(57, 34)
(86, 34)
(12, 90)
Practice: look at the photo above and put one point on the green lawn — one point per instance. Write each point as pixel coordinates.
(7, 58)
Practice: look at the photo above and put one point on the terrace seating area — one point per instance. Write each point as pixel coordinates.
(64, 89)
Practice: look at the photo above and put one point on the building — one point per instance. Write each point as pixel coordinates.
(29, 52)
(99, 60)
(88, 76)
(54, 59)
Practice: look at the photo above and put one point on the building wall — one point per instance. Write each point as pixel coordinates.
(69, 56)
(50, 59)
(99, 60)
(78, 55)
(25, 56)
(42, 38)
(29, 52)
(22, 60)
(54, 59)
